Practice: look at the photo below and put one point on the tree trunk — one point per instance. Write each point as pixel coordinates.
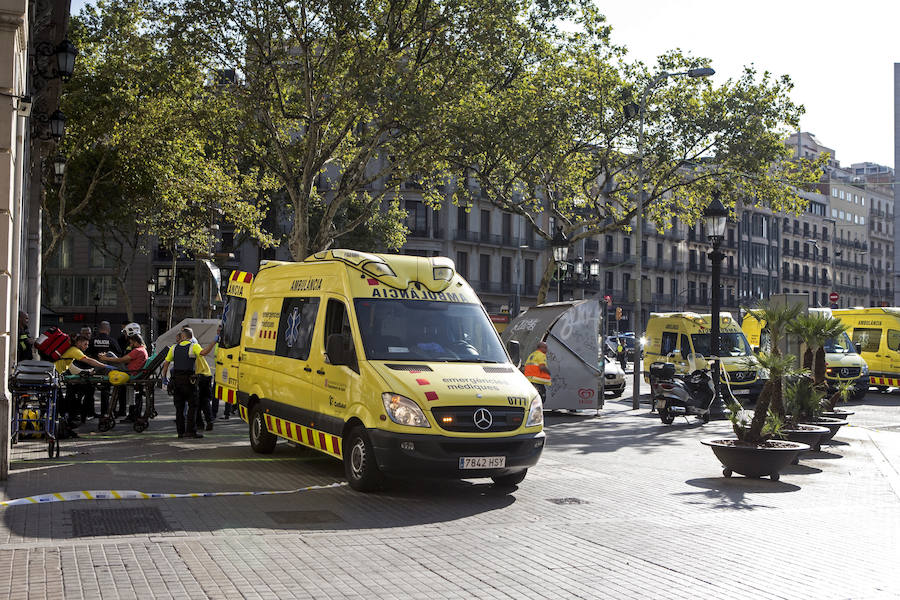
(172, 289)
(754, 433)
(808, 359)
(820, 368)
(777, 401)
(545, 282)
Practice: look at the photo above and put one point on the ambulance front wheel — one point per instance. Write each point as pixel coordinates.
(510, 480)
(360, 466)
(261, 439)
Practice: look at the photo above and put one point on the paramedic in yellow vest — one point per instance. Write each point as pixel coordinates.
(536, 370)
(71, 405)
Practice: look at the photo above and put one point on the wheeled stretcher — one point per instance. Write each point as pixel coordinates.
(35, 389)
(143, 381)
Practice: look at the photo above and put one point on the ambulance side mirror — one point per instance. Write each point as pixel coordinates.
(512, 346)
(858, 347)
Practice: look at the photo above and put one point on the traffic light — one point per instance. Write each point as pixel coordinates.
(618, 313)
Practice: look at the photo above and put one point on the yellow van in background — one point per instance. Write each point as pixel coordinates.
(388, 363)
(671, 337)
(841, 359)
(877, 331)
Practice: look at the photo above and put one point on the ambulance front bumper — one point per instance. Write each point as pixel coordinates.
(442, 456)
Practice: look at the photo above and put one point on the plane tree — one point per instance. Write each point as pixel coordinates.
(562, 139)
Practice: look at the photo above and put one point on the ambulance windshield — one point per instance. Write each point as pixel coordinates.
(427, 331)
(730, 344)
(840, 345)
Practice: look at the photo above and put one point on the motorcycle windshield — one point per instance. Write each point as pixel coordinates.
(730, 344)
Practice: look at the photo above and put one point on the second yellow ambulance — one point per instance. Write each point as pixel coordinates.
(672, 337)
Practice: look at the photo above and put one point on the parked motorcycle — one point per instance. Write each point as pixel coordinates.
(680, 395)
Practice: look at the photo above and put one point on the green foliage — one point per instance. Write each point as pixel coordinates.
(815, 330)
(802, 400)
(555, 139)
(354, 94)
(742, 420)
(843, 393)
(147, 139)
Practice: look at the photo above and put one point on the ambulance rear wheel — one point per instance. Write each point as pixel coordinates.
(261, 439)
(509, 480)
(360, 466)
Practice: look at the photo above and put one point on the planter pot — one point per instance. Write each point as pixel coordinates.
(838, 413)
(752, 460)
(810, 435)
(832, 425)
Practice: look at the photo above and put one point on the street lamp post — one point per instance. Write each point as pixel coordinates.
(716, 216)
(630, 111)
(151, 290)
(560, 245)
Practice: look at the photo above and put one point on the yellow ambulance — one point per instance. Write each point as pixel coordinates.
(388, 363)
(842, 361)
(672, 337)
(877, 332)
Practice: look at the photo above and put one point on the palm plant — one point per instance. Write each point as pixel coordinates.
(765, 422)
(842, 394)
(774, 319)
(802, 399)
(815, 330)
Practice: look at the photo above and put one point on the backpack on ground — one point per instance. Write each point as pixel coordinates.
(53, 343)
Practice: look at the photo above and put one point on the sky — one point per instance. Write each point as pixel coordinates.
(840, 56)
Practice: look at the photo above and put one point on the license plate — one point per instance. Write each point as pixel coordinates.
(739, 392)
(482, 462)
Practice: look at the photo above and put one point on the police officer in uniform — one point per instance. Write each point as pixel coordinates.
(102, 343)
(183, 358)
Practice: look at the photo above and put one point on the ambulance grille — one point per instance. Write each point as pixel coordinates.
(498, 369)
(410, 368)
(463, 418)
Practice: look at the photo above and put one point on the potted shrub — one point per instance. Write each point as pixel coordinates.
(802, 399)
(754, 452)
(842, 394)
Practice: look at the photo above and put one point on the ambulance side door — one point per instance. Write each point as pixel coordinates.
(292, 376)
(333, 386)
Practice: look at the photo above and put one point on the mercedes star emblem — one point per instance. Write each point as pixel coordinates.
(483, 418)
(845, 371)
(739, 375)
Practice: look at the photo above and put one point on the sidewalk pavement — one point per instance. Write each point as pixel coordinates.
(620, 506)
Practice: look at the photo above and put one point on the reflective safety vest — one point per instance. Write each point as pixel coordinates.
(533, 368)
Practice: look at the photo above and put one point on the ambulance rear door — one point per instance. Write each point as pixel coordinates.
(228, 354)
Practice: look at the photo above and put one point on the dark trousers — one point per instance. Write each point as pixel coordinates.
(185, 396)
(204, 398)
(86, 392)
(105, 389)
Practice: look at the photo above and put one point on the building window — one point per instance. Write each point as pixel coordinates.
(692, 292)
(462, 218)
(484, 268)
(660, 286)
(673, 287)
(62, 258)
(416, 218)
(485, 225)
(506, 272)
(462, 264)
(609, 244)
(529, 274)
(507, 229)
(626, 248)
(610, 285)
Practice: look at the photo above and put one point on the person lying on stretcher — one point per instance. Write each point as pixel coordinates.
(136, 357)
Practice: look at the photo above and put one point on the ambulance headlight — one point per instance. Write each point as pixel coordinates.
(535, 413)
(403, 411)
(864, 370)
